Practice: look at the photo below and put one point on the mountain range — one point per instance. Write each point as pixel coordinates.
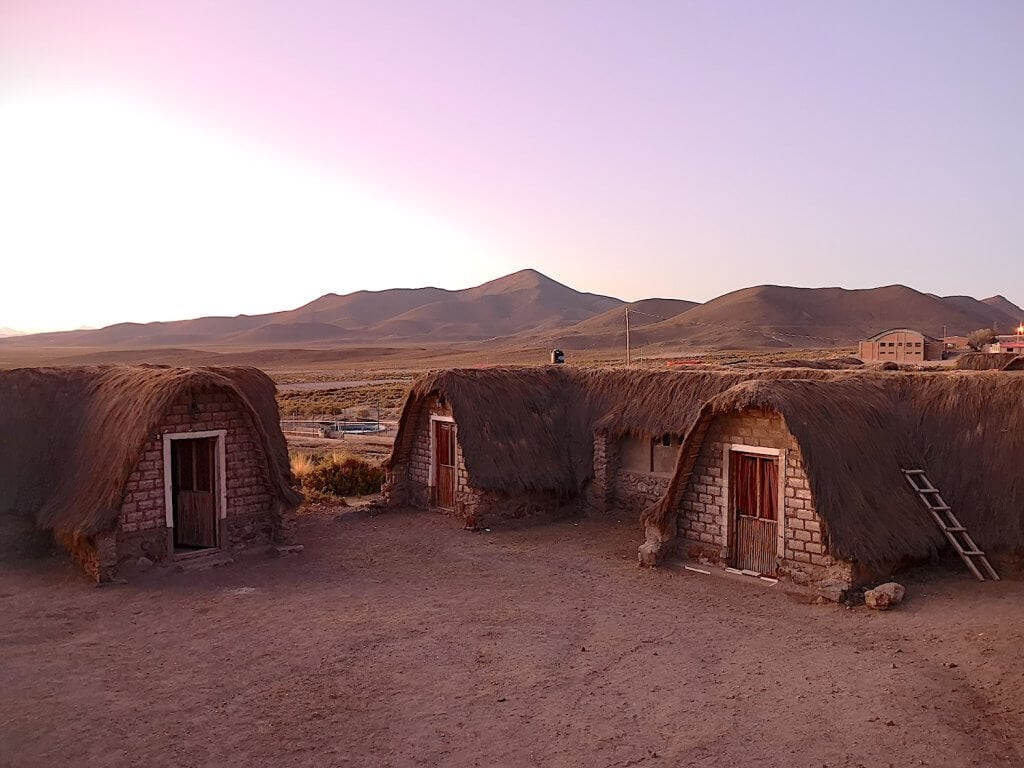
(529, 308)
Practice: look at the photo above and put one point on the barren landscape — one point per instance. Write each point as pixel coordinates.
(401, 640)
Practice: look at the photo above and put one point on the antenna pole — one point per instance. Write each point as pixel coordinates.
(627, 336)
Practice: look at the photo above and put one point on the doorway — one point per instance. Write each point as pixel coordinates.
(444, 464)
(754, 492)
(195, 518)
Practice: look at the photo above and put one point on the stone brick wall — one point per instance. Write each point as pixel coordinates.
(615, 490)
(409, 483)
(250, 517)
(599, 492)
(632, 492)
(701, 521)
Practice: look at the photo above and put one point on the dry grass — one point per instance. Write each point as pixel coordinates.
(317, 402)
(335, 475)
(302, 464)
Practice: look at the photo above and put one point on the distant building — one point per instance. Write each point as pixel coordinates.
(900, 345)
(1010, 344)
(956, 343)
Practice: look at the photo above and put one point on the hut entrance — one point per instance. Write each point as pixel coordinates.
(193, 493)
(444, 464)
(754, 486)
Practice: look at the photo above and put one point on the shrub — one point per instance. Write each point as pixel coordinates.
(343, 476)
(979, 338)
(302, 464)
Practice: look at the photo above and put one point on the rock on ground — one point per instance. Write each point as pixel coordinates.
(885, 596)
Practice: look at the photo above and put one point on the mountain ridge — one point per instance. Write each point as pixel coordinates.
(527, 307)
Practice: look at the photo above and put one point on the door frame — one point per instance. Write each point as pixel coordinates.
(729, 514)
(220, 478)
(432, 475)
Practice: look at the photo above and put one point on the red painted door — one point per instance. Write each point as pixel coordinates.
(444, 464)
(754, 488)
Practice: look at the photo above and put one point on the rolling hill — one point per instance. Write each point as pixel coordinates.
(528, 309)
(523, 302)
(782, 316)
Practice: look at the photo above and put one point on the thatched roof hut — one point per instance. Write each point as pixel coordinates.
(73, 436)
(985, 361)
(524, 430)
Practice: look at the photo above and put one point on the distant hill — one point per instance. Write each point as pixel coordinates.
(8, 332)
(523, 302)
(529, 309)
(1007, 307)
(604, 329)
(782, 316)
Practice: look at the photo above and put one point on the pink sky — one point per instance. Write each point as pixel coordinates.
(635, 149)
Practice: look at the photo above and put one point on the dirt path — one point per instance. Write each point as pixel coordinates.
(400, 640)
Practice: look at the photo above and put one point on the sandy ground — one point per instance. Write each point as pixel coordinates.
(401, 640)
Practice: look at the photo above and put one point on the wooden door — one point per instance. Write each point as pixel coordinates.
(444, 464)
(754, 491)
(193, 491)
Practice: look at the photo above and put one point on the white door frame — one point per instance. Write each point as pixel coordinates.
(727, 512)
(219, 471)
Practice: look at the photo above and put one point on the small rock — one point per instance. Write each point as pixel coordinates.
(884, 596)
(835, 591)
(143, 563)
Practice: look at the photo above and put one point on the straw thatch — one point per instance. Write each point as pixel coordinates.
(984, 361)
(528, 429)
(71, 436)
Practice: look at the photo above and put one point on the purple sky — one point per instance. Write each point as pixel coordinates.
(633, 148)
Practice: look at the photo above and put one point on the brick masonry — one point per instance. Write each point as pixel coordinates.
(249, 518)
(613, 491)
(410, 482)
(703, 508)
(616, 491)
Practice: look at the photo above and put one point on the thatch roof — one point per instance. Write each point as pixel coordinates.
(528, 429)
(985, 361)
(71, 436)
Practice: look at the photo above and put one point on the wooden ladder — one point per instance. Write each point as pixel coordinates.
(954, 530)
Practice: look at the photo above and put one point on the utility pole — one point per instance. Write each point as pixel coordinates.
(627, 336)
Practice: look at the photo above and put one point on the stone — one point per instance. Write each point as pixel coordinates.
(143, 563)
(833, 590)
(885, 596)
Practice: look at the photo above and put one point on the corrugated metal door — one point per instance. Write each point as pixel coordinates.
(444, 480)
(754, 488)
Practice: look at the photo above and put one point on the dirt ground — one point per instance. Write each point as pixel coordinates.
(401, 640)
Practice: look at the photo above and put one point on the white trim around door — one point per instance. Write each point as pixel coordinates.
(220, 471)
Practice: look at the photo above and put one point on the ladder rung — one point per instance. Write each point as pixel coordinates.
(951, 527)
